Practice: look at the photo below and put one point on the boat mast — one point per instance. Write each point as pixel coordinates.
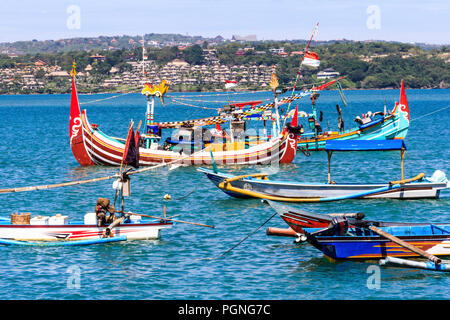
(299, 76)
(149, 117)
(277, 114)
(274, 86)
(143, 54)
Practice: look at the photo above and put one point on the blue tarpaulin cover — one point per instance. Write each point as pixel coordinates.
(365, 145)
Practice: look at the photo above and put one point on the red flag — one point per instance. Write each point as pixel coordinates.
(404, 102)
(230, 84)
(131, 151)
(311, 59)
(137, 137)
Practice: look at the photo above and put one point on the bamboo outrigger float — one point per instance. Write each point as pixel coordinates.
(258, 185)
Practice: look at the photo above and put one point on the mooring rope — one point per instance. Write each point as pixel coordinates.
(192, 105)
(72, 183)
(248, 235)
(425, 115)
(132, 90)
(216, 94)
(216, 101)
(188, 194)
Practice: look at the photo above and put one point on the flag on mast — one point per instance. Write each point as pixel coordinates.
(311, 59)
(229, 84)
(131, 152)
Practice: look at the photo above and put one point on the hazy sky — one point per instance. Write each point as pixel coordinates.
(396, 20)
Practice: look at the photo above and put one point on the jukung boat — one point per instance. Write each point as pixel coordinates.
(351, 237)
(91, 146)
(260, 186)
(79, 230)
(381, 125)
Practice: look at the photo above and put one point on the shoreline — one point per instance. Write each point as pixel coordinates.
(216, 91)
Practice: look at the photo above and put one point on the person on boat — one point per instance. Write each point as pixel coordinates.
(102, 208)
(317, 126)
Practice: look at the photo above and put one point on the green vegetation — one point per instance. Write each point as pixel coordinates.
(365, 64)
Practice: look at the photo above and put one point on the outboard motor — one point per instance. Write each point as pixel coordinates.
(340, 225)
(358, 120)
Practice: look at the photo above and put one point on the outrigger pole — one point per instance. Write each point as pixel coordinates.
(74, 183)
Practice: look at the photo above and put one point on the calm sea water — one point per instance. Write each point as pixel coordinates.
(186, 263)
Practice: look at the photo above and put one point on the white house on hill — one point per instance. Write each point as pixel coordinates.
(327, 74)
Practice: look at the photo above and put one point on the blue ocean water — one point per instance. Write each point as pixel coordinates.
(187, 262)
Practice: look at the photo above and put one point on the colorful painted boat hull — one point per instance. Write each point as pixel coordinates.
(389, 128)
(92, 147)
(377, 247)
(71, 232)
(362, 243)
(104, 150)
(414, 190)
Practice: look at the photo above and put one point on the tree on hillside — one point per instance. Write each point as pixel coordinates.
(193, 54)
(167, 54)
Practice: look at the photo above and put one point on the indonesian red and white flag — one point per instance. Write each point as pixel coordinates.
(230, 84)
(311, 59)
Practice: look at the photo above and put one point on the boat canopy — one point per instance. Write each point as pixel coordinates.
(365, 145)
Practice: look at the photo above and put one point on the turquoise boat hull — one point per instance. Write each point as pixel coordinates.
(391, 125)
(394, 126)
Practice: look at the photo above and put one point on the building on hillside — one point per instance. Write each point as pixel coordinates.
(251, 37)
(296, 53)
(40, 63)
(327, 74)
(178, 63)
(98, 57)
(240, 52)
(276, 50)
(58, 74)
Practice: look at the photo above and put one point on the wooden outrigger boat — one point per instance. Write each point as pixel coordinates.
(59, 231)
(382, 125)
(259, 186)
(348, 236)
(91, 146)
(80, 230)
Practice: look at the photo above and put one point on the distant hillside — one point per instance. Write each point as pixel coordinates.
(204, 64)
(100, 43)
(130, 42)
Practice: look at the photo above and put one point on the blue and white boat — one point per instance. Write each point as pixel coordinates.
(260, 186)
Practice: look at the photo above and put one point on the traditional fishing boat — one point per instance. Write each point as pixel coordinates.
(351, 237)
(259, 186)
(96, 228)
(381, 125)
(190, 146)
(59, 228)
